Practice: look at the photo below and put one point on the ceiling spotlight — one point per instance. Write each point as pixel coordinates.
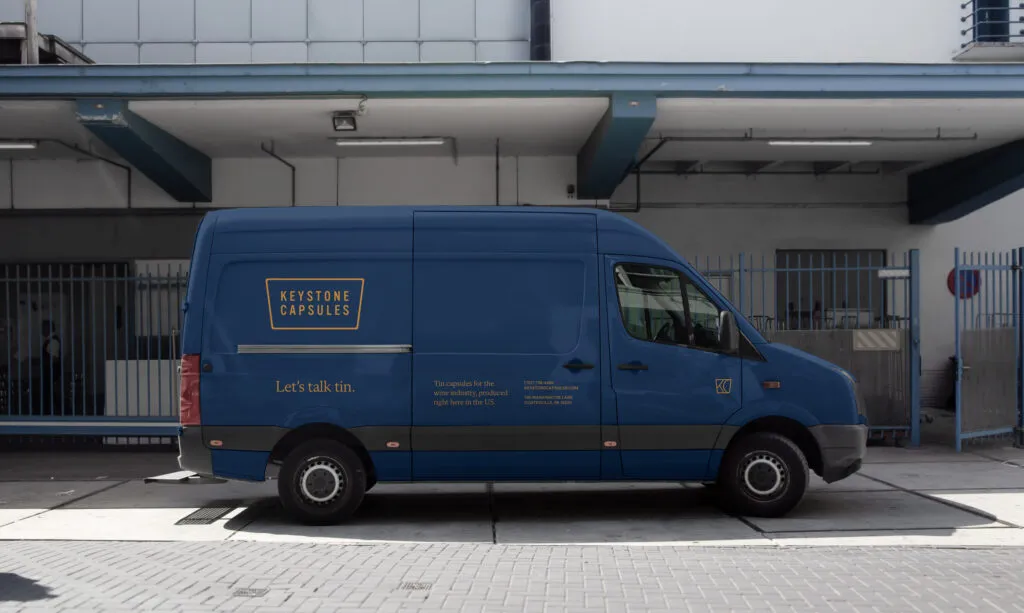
(819, 143)
(344, 121)
(388, 142)
(18, 144)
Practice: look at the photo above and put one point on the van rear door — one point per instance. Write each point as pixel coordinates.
(674, 387)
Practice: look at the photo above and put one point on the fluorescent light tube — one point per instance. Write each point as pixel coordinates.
(389, 142)
(820, 143)
(18, 144)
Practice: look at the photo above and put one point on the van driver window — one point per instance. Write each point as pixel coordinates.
(704, 316)
(661, 306)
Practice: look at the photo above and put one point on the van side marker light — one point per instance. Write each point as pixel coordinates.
(392, 444)
(216, 443)
(610, 444)
(772, 385)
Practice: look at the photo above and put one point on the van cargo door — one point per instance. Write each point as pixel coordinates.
(506, 339)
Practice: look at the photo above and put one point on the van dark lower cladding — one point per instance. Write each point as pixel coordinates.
(841, 446)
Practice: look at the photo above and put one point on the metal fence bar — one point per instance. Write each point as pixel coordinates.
(913, 299)
(7, 381)
(81, 377)
(1018, 323)
(959, 366)
(92, 331)
(17, 290)
(105, 338)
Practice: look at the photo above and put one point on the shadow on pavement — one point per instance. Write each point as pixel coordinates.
(559, 514)
(115, 464)
(15, 588)
(902, 493)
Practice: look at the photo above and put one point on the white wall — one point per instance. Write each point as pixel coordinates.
(267, 182)
(707, 216)
(908, 31)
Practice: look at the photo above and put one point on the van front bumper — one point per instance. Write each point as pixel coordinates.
(843, 448)
(193, 454)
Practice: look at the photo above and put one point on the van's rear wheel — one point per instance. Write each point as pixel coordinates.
(763, 475)
(321, 482)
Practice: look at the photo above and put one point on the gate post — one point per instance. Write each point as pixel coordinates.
(958, 366)
(740, 293)
(1018, 322)
(915, 347)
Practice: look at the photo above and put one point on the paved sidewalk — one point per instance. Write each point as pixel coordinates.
(83, 533)
(901, 497)
(463, 578)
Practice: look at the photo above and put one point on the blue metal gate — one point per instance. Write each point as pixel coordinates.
(987, 296)
(90, 349)
(113, 372)
(852, 308)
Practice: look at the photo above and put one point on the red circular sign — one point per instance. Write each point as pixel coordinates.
(970, 283)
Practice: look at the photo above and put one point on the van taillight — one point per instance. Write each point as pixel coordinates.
(189, 400)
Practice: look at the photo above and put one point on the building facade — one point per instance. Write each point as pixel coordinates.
(793, 149)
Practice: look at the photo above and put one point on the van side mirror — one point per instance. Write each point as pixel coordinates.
(728, 333)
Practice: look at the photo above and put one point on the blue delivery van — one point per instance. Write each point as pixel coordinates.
(357, 345)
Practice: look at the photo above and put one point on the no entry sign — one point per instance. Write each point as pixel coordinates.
(970, 283)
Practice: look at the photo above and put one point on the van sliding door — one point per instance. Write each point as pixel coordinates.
(506, 347)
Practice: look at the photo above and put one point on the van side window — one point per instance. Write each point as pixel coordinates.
(660, 305)
(704, 316)
(651, 303)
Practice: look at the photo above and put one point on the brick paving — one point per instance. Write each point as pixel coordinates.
(242, 577)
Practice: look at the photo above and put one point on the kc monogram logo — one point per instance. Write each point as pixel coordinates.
(723, 386)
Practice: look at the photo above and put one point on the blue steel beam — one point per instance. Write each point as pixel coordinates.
(180, 170)
(88, 427)
(959, 187)
(611, 150)
(521, 79)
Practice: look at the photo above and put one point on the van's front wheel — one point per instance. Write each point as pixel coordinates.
(321, 482)
(763, 475)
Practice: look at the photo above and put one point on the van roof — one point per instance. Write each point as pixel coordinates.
(341, 213)
(618, 234)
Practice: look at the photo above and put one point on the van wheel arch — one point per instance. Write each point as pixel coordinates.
(789, 428)
(308, 432)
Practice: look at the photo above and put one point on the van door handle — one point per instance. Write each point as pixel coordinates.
(633, 366)
(577, 365)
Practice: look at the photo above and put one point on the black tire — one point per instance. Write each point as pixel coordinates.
(320, 463)
(762, 475)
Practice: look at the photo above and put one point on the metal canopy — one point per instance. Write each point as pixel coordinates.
(726, 80)
(688, 118)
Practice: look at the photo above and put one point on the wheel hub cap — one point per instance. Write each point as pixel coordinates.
(764, 475)
(321, 481)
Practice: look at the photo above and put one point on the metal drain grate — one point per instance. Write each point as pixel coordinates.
(205, 515)
(415, 585)
(250, 592)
